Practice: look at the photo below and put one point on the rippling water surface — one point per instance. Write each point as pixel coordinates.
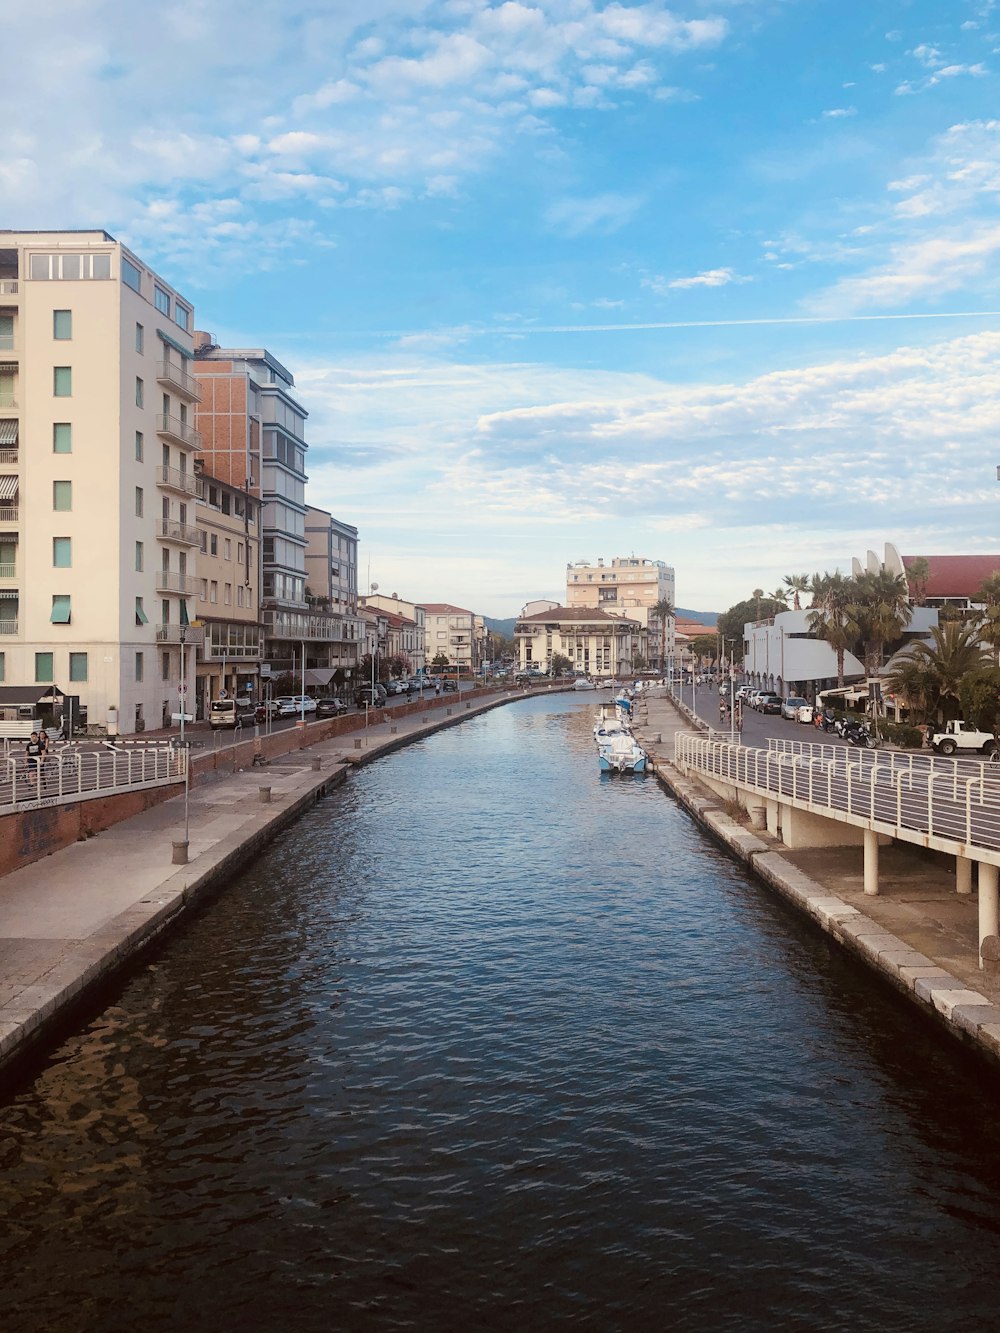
(488, 1041)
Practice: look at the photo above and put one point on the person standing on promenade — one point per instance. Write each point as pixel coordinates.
(34, 754)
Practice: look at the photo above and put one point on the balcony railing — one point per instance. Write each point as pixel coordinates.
(170, 580)
(6, 342)
(8, 513)
(172, 479)
(8, 569)
(8, 627)
(8, 402)
(168, 373)
(8, 286)
(172, 531)
(294, 625)
(177, 430)
(172, 634)
(8, 457)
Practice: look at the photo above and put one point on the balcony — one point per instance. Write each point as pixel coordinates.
(8, 627)
(175, 429)
(9, 515)
(300, 625)
(170, 531)
(172, 634)
(8, 402)
(172, 479)
(8, 457)
(7, 342)
(169, 580)
(168, 373)
(8, 570)
(8, 286)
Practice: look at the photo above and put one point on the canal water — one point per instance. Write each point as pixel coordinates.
(488, 1041)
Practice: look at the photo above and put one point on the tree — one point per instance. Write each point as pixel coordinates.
(705, 645)
(399, 666)
(439, 660)
(989, 618)
(758, 593)
(911, 682)
(831, 618)
(560, 663)
(980, 698)
(796, 584)
(730, 624)
(780, 595)
(881, 611)
(930, 676)
(638, 662)
(664, 612)
(918, 573)
(365, 668)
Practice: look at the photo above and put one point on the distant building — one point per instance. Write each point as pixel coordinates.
(457, 634)
(629, 585)
(596, 642)
(411, 611)
(332, 591)
(953, 580)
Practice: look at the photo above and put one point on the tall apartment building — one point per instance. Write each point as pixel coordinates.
(457, 634)
(627, 585)
(98, 544)
(332, 586)
(409, 611)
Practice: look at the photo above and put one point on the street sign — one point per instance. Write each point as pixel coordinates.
(181, 717)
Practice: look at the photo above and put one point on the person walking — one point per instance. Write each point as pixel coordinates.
(33, 756)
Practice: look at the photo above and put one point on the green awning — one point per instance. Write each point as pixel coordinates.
(172, 342)
(140, 616)
(60, 610)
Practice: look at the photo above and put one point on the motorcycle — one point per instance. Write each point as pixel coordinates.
(856, 733)
(830, 722)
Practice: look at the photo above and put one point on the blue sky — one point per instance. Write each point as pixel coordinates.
(713, 283)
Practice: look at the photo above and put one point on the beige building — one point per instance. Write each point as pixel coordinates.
(331, 562)
(98, 544)
(629, 585)
(454, 633)
(397, 605)
(228, 601)
(597, 643)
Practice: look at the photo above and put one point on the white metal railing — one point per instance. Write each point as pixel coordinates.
(8, 286)
(178, 430)
(969, 764)
(8, 569)
(8, 626)
(6, 342)
(177, 480)
(926, 802)
(7, 400)
(170, 580)
(8, 457)
(168, 373)
(8, 513)
(73, 773)
(172, 634)
(172, 530)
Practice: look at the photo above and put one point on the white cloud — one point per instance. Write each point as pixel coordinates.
(713, 277)
(839, 112)
(600, 213)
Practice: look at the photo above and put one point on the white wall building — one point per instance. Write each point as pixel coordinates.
(98, 545)
(630, 585)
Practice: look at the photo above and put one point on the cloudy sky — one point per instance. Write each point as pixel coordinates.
(714, 284)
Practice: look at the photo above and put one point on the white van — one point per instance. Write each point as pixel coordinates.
(231, 713)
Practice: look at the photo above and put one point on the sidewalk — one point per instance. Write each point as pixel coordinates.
(69, 921)
(917, 932)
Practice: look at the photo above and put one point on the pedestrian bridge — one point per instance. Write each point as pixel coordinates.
(815, 794)
(77, 774)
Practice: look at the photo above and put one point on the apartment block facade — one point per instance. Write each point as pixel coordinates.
(332, 587)
(412, 612)
(598, 643)
(454, 633)
(97, 480)
(632, 586)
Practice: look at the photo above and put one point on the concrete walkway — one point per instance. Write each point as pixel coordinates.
(917, 911)
(69, 921)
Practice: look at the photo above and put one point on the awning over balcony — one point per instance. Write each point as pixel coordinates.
(8, 432)
(172, 342)
(320, 676)
(8, 488)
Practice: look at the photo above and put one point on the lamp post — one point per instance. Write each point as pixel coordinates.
(302, 691)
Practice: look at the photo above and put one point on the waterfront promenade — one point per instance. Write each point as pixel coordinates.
(917, 931)
(70, 920)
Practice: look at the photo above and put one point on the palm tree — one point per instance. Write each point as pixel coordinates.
(758, 593)
(989, 622)
(918, 573)
(911, 682)
(830, 617)
(664, 612)
(780, 595)
(931, 673)
(881, 611)
(795, 584)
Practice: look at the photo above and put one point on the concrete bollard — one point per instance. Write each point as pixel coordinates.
(468, 706)
(393, 730)
(447, 712)
(264, 793)
(315, 763)
(357, 745)
(179, 856)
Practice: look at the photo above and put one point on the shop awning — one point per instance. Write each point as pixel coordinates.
(8, 432)
(8, 488)
(319, 675)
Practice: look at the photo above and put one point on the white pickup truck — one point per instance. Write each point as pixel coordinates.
(962, 736)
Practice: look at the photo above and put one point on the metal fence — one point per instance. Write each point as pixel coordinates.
(941, 802)
(74, 773)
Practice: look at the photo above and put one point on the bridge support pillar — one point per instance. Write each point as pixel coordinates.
(963, 874)
(772, 818)
(989, 917)
(871, 862)
(758, 816)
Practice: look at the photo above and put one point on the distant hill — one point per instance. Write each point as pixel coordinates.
(504, 627)
(703, 617)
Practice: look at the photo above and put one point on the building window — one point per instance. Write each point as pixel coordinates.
(203, 595)
(131, 276)
(62, 325)
(62, 553)
(140, 615)
(140, 338)
(3, 666)
(227, 594)
(182, 316)
(203, 539)
(164, 612)
(138, 557)
(213, 591)
(239, 594)
(165, 666)
(62, 495)
(139, 391)
(227, 549)
(60, 609)
(138, 502)
(138, 446)
(43, 668)
(62, 438)
(138, 666)
(62, 381)
(213, 545)
(239, 552)
(78, 666)
(161, 300)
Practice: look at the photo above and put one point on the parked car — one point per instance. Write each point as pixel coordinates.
(366, 697)
(294, 705)
(330, 708)
(232, 713)
(449, 683)
(797, 709)
(770, 703)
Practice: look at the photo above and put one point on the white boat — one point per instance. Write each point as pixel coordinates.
(621, 754)
(583, 683)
